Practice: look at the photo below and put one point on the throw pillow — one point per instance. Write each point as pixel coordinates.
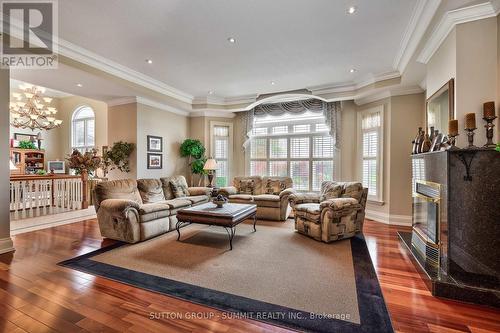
(330, 190)
(247, 186)
(179, 189)
(275, 186)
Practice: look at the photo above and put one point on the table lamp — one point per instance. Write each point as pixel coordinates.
(210, 166)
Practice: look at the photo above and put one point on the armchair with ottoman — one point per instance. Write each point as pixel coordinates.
(135, 210)
(270, 194)
(337, 212)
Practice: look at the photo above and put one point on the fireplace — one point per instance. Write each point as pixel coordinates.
(426, 212)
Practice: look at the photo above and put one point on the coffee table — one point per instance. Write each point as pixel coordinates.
(228, 217)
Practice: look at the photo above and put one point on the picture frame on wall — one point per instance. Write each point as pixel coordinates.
(155, 144)
(155, 161)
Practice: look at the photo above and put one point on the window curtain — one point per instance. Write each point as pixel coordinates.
(331, 112)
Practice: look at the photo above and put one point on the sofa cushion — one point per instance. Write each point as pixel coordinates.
(247, 186)
(197, 199)
(179, 187)
(153, 207)
(241, 197)
(178, 203)
(117, 189)
(309, 211)
(257, 181)
(151, 190)
(167, 189)
(353, 190)
(330, 190)
(154, 216)
(274, 186)
(194, 191)
(267, 200)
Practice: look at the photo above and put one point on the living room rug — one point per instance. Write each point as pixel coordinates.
(274, 275)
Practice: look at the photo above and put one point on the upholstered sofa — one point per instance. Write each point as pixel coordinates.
(133, 211)
(337, 212)
(270, 194)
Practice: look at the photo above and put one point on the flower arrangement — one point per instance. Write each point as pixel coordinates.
(87, 162)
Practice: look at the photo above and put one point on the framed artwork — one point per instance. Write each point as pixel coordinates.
(25, 137)
(155, 161)
(155, 143)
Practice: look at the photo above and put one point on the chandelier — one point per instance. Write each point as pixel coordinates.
(31, 110)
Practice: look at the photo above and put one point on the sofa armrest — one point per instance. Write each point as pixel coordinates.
(227, 191)
(199, 191)
(299, 197)
(341, 204)
(286, 193)
(119, 207)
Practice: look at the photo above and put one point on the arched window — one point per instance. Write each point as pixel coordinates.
(83, 129)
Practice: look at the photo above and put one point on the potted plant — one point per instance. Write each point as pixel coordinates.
(85, 163)
(195, 152)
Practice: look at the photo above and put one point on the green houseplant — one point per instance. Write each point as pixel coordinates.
(195, 152)
(27, 145)
(118, 157)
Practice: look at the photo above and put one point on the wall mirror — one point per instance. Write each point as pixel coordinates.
(440, 108)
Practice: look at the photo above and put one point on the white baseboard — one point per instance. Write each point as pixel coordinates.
(392, 219)
(6, 245)
(48, 221)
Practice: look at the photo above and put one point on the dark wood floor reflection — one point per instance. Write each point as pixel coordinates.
(36, 295)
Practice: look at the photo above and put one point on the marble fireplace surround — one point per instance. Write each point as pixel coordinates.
(469, 234)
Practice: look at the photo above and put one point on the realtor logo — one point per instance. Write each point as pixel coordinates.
(29, 29)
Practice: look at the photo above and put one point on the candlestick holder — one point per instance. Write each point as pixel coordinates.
(489, 131)
(470, 137)
(452, 140)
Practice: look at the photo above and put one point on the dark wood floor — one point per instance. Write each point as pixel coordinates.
(36, 295)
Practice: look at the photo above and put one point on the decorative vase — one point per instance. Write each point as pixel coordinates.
(421, 138)
(426, 144)
(415, 142)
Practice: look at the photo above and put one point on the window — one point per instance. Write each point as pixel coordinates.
(221, 150)
(298, 147)
(370, 124)
(83, 129)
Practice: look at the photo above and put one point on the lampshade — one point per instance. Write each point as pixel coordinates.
(210, 164)
(12, 166)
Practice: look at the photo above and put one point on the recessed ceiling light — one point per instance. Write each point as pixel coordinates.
(149, 61)
(273, 83)
(351, 10)
(352, 70)
(210, 92)
(79, 85)
(231, 40)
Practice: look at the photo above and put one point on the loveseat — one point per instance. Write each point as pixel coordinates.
(133, 211)
(337, 212)
(270, 194)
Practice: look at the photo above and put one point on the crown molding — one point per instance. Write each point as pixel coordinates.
(420, 19)
(213, 113)
(449, 20)
(386, 93)
(217, 100)
(147, 102)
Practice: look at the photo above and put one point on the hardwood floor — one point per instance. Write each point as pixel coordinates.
(36, 295)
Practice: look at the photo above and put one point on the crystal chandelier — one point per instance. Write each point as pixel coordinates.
(31, 110)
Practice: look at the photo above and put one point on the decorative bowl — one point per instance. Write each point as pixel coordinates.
(219, 200)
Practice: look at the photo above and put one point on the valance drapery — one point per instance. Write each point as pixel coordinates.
(331, 112)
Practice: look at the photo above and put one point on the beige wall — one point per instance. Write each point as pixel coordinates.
(122, 126)
(348, 141)
(5, 241)
(173, 128)
(470, 54)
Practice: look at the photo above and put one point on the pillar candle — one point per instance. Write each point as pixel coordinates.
(453, 127)
(470, 121)
(489, 109)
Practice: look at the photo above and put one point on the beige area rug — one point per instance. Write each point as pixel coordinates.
(274, 265)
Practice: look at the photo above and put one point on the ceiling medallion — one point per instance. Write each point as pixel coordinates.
(31, 110)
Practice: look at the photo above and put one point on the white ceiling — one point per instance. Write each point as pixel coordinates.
(296, 43)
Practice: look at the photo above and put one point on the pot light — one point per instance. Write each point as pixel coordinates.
(231, 40)
(352, 70)
(351, 10)
(149, 61)
(210, 92)
(273, 83)
(79, 85)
